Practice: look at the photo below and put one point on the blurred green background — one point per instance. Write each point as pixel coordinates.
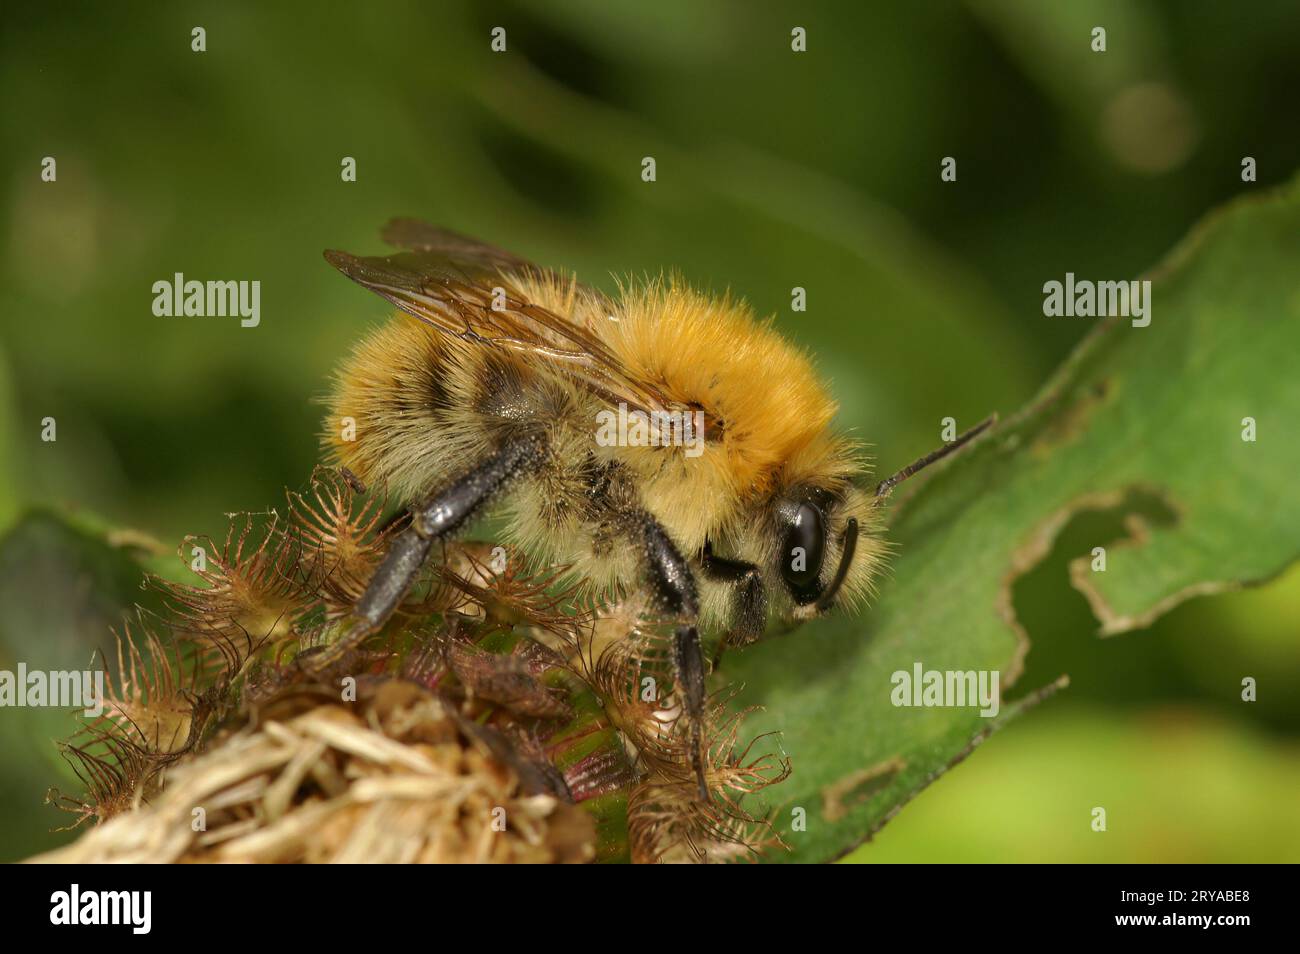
(774, 170)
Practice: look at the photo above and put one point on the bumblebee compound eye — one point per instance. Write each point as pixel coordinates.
(803, 552)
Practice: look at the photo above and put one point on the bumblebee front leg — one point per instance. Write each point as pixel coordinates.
(435, 519)
(673, 586)
(748, 596)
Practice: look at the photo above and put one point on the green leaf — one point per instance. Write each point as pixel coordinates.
(1143, 421)
(65, 582)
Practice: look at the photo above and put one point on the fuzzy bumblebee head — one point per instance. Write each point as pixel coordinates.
(808, 543)
(772, 503)
(823, 533)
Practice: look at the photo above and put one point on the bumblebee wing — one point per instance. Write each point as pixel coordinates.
(464, 288)
(451, 247)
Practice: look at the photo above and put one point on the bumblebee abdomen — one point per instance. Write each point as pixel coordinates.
(413, 407)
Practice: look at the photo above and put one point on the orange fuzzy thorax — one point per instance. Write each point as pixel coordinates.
(759, 391)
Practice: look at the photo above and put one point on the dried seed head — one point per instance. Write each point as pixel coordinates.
(149, 698)
(493, 689)
(342, 537)
(255, 590)
(506, 681)
(668, 823)
(509, 595)
(397, 781)
(117, 774)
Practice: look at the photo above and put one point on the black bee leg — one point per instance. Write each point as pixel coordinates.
(749, 598)
(673, 586)
(405, 557)
(434, 519)
(689, 662)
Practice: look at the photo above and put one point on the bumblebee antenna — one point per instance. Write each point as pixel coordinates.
(846, 558)
(889, 483)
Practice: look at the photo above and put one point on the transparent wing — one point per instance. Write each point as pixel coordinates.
(450, 247)
(453, 283)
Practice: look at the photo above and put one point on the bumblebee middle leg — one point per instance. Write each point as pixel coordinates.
(673, 586)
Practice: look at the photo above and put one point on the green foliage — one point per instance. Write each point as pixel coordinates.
(65, 581)
(1139, 420)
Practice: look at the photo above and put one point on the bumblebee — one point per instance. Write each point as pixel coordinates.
(491, 389)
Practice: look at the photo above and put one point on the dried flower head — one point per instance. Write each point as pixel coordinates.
(494, 689)
(149, 697)
(342, 536)
(254, 591)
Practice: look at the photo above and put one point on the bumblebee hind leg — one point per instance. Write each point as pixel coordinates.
(436, 518)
